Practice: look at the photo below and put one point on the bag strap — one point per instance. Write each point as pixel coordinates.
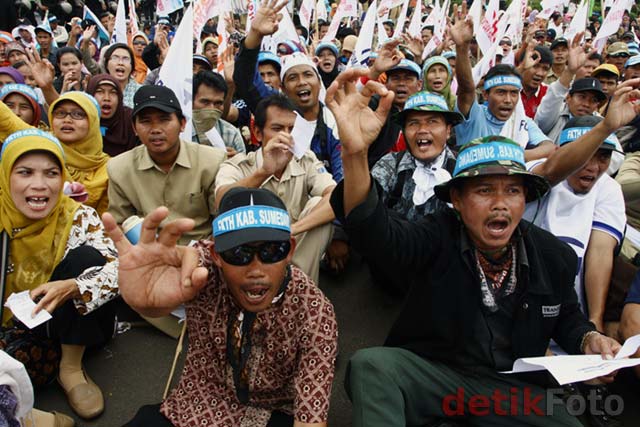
(4, 266)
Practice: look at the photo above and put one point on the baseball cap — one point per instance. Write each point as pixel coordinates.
(588, 84)
(202, 60)
(606, 68)
(557, 42)
(349, 43)
(428, 101)
(539, 33)
(43, 29)
(249, 215)
(406, 65)
(153, 96)
(332, 47)
(578, 126)
(551, 33)
(628, 35)
(266, 56)
(493, 155)
(618, 49)
(632, 62)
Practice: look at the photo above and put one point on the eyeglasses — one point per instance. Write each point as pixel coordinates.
(75, 114)
(139, 43)
(123, 59)
(619, 55)
(268, 253)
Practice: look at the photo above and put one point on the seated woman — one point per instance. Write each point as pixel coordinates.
(59, 253)
(75, 121)
(437, 77)
(115, 119)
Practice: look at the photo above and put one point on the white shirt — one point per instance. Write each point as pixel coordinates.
(571, 217)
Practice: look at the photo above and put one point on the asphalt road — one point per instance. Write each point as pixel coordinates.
(133, 369)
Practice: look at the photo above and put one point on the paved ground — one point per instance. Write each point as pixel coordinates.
(132, 370)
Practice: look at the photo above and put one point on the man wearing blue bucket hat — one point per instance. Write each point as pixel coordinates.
(486, 288)
(262, 336)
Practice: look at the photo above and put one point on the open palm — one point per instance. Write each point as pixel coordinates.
(266, 20)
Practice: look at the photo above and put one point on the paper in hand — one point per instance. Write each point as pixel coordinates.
(214, 138)
(21, 305)
(302, 134)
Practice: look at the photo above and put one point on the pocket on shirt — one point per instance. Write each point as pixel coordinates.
(195, 205)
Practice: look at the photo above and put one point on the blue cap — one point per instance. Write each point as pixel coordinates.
(406, 65)
(325, 45)
(449, 54)
(632, 61)
(266, 56)
(203, 59)
(19, 88)
(429, 102)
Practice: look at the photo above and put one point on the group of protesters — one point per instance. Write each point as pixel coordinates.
(493, 192)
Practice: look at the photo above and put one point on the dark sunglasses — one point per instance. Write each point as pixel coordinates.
(619, 55)
(268, 253)
(140, 43)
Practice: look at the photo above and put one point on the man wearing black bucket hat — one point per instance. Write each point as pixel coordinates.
(262, 336)
(483, 281)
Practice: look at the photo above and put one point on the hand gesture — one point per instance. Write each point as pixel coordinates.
(388, 57)
(415, 46)
(577, 55)
(53, 294)
(87, 34)
(228, 61)
(605, 346)
(277, 153)
(358, 125)
(624, 105)
(228, 23)
(462, 31)
(266, 20)
(42, 70)
(156, 275)
(162, 42)
(531, 57)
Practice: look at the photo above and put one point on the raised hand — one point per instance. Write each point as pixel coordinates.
(358, 125)
(577, 55)
(42, 70)
(229, 63)
(87, 34)
(624, 105)
(156, 275)
(462, 31)
(277, 153)
(266, 20)
(531, 57)
(415, 46)
(388, 57)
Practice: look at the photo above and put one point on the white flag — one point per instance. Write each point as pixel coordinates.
(362, 50)
(611, 23)
(335, 24)
(223, 38)
(401, 18)
(488, 60)
(486, 32)
(286, 29)
(133, 17)
(202, 11)
(176, 72)
(579, 21)
(415, 26)
(166, 7)
(321, 10)
(120, 29)
(548, 7)
(438, 29)
(306, 8)
(475, 11)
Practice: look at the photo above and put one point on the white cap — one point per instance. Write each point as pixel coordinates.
(296, 58)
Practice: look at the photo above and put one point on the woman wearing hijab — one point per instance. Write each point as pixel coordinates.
(327, 64)
(115, 119)
(437, 77)
(10, 75)
(75, 120)
(138, 43)
(59, 253)
(23, 101)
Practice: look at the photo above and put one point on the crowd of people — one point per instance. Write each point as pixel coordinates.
(501, 209)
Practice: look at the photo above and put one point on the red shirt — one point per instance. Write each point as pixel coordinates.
(531, 103)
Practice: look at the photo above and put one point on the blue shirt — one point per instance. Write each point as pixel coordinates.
(482, 123)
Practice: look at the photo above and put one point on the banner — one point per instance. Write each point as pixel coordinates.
(120, 30)
(611, 23)
(103, 34)
(321, 10)
(306, 8)
(252, 8)
(579, 22)
(335, 24)
(202, 11)
(401, 18)
(176, 72)
(360, 55)
(286, 29)
(486, 33)
(439, 27)
(548, 7)
(133, 17)
(415, 26)
(165, 7)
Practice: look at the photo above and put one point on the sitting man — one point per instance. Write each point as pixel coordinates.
(263, 338)
(503, 114)
(164, 171)
(482, 281)
(304, 184)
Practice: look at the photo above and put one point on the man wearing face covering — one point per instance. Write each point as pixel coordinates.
(209, 92)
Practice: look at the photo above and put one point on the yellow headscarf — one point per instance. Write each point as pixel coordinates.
(86, 162)
(38, 247)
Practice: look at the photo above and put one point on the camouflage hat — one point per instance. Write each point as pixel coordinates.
(428, 102)
(493, 155)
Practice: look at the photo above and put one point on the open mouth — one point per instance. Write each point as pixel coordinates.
(401, 93)
(497, 226)
(304, 95)
(424, 143)
(37, 203)
(438, 84)
(587, 180)
(120, 71)
(105, 108)
(256, 294)
(67, 129)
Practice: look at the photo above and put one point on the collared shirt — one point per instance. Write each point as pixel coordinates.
(229, 134)
(551, 77)
(137, 186)
(291, 359)
(301, 179)
(388, 171)
(481, 122)
(531, 103)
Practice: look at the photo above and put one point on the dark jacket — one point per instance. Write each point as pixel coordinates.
(444, 305)
(388, 135)
(251, 88)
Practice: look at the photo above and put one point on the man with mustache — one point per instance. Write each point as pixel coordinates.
(500, 115)
(486, 288)
(262, 336)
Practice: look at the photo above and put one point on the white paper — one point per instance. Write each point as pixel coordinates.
(214, 138)
(577, 368)
(21, 305)
(302, 134)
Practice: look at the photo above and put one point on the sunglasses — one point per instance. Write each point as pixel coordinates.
(140, 43)
(619, 55)
(268, 253)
